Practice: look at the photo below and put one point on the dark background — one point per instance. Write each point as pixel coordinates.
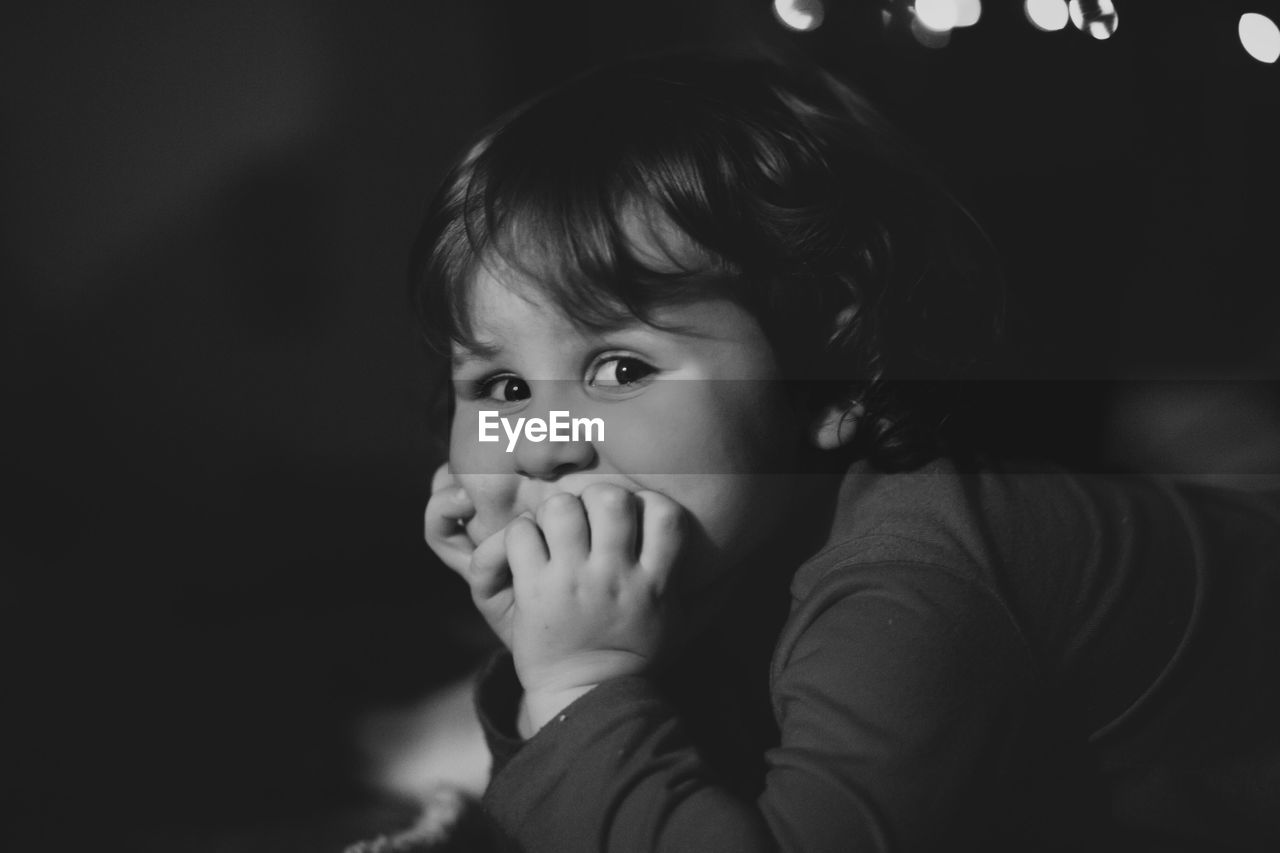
(215, 446)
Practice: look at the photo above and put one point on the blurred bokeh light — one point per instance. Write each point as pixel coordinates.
(799, 15)
(968, 12)
(1047, 15)
(937, 15)
(1260, 37)
(1096, 17)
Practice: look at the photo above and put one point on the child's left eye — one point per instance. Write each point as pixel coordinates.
(620, 372)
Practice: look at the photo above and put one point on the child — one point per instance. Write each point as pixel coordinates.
(766, 605)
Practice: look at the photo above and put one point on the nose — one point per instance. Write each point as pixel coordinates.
(551, 459)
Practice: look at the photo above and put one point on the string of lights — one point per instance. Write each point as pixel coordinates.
(933, 21)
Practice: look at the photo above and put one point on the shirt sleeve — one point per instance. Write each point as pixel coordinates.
(897, 689)
(498, 694)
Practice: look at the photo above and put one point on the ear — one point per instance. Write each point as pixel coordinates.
(835, 425)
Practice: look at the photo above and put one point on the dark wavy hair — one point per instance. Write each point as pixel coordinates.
(872, 284)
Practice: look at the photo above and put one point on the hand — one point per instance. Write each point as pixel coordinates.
(484, 566)
(590, 577)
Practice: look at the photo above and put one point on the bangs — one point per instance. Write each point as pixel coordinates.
(603, 215)
(601, 259)
(626, 189)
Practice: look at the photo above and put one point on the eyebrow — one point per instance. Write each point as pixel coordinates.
(475, 351)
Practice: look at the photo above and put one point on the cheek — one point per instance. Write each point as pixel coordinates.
(639, 446)
(481, 470)
(734, 513)
(730, 508)
(470, 456)
(722, 427)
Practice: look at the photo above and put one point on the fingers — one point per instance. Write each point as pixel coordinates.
(607, 531)
(489, 572)
(563, 522)
(662, 534)
(611, 513)
(445, 509)
(526, 551)
(443, 528)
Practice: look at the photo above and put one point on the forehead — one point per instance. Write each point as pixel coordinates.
(505, 308)
(525, 270)
(498, 295)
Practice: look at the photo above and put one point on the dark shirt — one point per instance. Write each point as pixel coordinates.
(1026, 659)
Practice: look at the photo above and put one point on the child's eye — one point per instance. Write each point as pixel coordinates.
(502, 389)
(620, 372)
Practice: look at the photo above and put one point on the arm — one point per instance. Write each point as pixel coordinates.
(897, 689)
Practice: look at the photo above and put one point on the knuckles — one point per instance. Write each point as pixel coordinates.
(516, 528)
(661, 512)
(608, 498)
(560, 503)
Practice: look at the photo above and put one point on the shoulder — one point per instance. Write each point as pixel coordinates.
(930, 549)
(903, 583)
(906, 659)
(1012, 528)
(906, 610)
(936, 515)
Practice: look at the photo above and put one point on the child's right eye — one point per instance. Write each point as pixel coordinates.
(502, 389)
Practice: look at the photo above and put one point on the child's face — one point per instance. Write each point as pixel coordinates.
(699, 415)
